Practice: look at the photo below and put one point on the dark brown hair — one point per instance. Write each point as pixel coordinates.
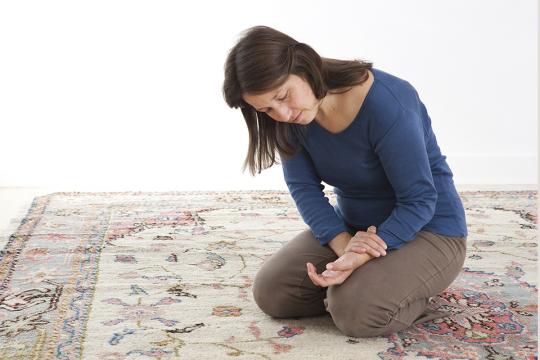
(261, 61)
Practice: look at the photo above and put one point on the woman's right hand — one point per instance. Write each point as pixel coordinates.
(367, 242)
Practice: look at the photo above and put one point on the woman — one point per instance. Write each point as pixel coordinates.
(397, 235)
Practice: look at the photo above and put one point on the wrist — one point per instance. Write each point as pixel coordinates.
(361, 259)
(339, 243)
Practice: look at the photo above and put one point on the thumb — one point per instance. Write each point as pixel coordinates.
(372, 229)
(339, 264)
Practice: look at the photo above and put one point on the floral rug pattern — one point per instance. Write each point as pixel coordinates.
(166, 275)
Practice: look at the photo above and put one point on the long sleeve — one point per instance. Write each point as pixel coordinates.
(386, 169)
(306, 189)
(402, 151)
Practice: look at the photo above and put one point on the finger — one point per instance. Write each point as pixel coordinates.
(369, 243)
(370, 251)
(371, 234)
(367, 249)
(330, 273)
(324, 283)
(380, 241)
(358, 250)
(340, 264)
(316, 278)
(377, 241)
(312, 273)
(338, 279)
(319, 280)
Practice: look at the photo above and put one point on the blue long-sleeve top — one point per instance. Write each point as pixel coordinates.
(386, 168)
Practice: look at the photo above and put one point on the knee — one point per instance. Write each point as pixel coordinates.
(268, 294)
(359, 317)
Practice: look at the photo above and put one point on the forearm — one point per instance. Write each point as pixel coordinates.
(339, 243)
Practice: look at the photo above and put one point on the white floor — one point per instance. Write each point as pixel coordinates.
(15, 202)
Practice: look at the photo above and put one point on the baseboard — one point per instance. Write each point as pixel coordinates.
(467, 169)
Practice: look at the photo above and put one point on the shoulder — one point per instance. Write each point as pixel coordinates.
(392, 99)
(392, 92)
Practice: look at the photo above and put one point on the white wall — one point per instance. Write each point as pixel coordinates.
(127, 94)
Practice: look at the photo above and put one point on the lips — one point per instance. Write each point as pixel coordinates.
(297, 116)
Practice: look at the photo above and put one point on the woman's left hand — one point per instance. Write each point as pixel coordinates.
(338, 271)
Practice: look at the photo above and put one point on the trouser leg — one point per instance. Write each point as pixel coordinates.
(391, 293)
(282, 287)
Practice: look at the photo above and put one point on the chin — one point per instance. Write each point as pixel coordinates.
(306, 121)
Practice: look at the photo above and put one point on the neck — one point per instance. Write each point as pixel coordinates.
(340, 107)
(328, 107)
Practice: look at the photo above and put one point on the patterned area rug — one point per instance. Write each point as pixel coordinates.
(140, 275)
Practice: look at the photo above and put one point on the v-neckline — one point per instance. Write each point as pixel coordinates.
(360, 111)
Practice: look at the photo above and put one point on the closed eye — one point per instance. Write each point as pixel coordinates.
(278, 99)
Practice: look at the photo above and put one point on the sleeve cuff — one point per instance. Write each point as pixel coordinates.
(392, 241)
(329, 235)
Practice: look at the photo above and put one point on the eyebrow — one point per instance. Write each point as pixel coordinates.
(275, 96)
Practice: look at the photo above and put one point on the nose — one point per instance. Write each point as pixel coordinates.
(284, 113)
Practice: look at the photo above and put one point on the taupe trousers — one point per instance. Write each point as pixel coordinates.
(385, 295)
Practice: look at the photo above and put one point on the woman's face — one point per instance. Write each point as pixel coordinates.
(292, 102)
